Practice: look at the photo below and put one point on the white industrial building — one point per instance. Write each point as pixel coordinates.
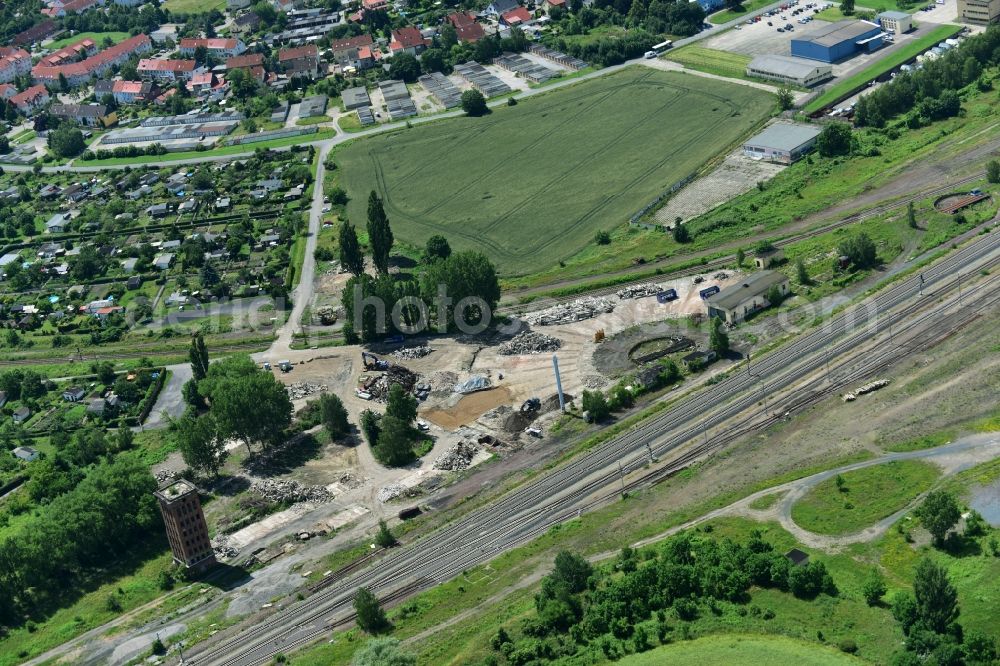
(788, 69)
(895, 22)
(737, 302)
(782, 142)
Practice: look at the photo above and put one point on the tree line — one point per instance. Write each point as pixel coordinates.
(931, 92)
(460, 275)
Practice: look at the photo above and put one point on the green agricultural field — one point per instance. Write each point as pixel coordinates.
(713, 61)
(867, 496)
(529, 185)
(737, 649)
(98, 37)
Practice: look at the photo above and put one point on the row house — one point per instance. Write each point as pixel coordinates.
(217, 46)
(73, 53)
(14, 62)
(166, 70)
(91, 115)
(126, 92)
(301, 61)
(79, 73)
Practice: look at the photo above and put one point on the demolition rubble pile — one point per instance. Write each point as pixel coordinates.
(223, 550)
(299, 390)
(529, 342)
(638, 291)
(457, 458)
(277, 490)
(165, 475)
(326, 315)
(867, 388)
(396, 374)
(411, 353)
(390, 492)
(567, 313)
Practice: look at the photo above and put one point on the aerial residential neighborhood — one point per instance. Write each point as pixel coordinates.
(499, 333)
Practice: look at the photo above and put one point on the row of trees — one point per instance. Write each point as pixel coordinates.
(931, 92)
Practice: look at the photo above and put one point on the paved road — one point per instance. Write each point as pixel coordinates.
(555, 497)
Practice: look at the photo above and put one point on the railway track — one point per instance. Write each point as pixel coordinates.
(555, 497)
(723, 262)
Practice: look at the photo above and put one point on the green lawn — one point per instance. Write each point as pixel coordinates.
(194, 6)
(913, 48)
(722, 63)
(868, 495)
(23, 137)
(741, 649)
(314, 120)
(576, 160)
(96, 36)
(727, 15)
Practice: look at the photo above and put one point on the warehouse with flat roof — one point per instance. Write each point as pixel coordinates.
(786, 69)
(782, 142)
(839, 40)
(737, 302)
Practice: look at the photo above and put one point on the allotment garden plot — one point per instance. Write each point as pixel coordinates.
(529, 185)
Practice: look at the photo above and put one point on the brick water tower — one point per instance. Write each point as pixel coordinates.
(187, 530)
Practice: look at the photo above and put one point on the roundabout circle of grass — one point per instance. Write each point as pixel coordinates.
(865, 497)
(740, 649)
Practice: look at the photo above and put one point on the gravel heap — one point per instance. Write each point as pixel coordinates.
(639, 291)
(412, 352)
(566, 313)
(304, 389)
(350, 481)
(529, 342)
(390, 492)
(396, 374)
(278, 490)
(594, 382)
(457, 457)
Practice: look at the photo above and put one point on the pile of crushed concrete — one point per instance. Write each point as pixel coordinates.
(529, 342)
(458, 457)
(223, 550)
(298, 390)
(326, 315)
(396, 374)
(279, 490)
(412, 352)
(638, 291)
(390, 492)
(567, 313)
(867, 388)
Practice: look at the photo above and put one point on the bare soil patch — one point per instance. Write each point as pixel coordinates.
(468, 408)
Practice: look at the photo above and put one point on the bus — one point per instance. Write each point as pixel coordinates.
(663, 46)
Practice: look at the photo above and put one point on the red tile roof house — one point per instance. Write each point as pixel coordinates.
(130, 92)
(79, 73)
(14, 62)
(374, 5)
(340, 48)
(518, 16)
(73, 53)
(549, 5)
(33, 98)
(247, 62)
(201, 82)
(407, 40)
(466, 28)
(300, 61)
(216, 46)
(169, 70)
(7, 91)
(59, 8)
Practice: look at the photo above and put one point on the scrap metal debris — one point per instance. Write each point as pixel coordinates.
(867, 388)
(529, 342)
(567, 313)
(473, 384)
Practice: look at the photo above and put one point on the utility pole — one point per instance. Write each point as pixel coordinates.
(649, 450)
(621, 477)
(921, 284)
(960, 289)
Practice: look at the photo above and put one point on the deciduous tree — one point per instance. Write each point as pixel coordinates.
(938, 513)
(379, 233)
(198, 354)
(351, 257)
(370, 616)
